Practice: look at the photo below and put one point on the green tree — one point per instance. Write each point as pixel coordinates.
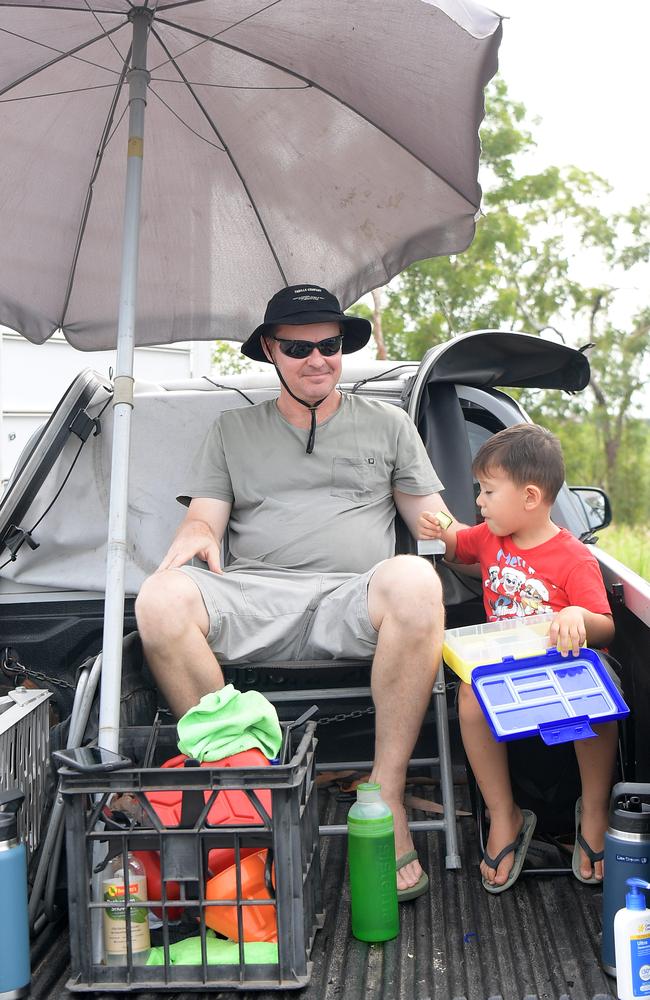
(519, 274)
(227, 359)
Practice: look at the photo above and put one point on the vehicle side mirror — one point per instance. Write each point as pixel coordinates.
(594, 504)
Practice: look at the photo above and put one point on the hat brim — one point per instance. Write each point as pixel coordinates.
(356, 332)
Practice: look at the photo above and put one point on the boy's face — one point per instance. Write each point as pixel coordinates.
(502, 503)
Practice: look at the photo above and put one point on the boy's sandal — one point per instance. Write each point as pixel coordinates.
(591, 854)
(519, 847)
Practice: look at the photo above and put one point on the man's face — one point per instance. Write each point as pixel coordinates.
(315, 376)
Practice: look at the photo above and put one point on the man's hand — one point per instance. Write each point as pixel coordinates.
(568, 630)
(194, 538)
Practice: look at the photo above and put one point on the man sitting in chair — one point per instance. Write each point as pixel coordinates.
(307, 486)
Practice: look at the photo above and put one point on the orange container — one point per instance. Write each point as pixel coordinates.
(231, 806)
(259, 922)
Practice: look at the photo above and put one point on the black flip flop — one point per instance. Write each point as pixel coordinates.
(519, 847)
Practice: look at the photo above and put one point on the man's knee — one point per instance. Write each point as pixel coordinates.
(167, 600)
(408, 587)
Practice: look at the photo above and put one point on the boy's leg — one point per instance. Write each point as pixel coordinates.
(596, 758)
(489, 762)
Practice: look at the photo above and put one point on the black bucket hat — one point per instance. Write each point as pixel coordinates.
(299, 305)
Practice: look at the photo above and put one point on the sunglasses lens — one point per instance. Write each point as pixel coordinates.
(301, 349)
(296, 348)
(330, 346)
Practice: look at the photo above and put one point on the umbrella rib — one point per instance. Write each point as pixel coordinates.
(318, 87)
(107, 135)
(227, 151)
(58, 58)
(215, 145)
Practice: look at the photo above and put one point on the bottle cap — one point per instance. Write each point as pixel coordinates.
(368, 791)
(635, 899)
(10, 803)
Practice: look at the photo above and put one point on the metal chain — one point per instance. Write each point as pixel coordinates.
(11, 666)
(358, 713)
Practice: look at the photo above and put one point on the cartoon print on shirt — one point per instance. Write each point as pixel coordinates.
(512, 580)
(503, 607)
(519, 596)
(493, 581)
(533, 597)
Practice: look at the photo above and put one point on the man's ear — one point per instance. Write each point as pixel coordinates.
(533, 496)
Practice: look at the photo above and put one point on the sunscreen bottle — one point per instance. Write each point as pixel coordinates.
(373, 877)
(632, 943)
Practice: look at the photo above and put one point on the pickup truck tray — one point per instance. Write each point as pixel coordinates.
(538, 941)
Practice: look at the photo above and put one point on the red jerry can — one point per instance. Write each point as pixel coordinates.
(230, 807)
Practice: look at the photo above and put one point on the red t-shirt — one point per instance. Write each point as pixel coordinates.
(520, 582)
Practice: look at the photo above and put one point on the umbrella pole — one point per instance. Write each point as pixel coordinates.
(111, 679)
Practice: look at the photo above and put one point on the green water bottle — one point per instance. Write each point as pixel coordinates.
(371, 856)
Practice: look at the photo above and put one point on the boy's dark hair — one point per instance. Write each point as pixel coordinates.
(527, 453)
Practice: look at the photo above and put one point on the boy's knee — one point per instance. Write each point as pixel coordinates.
(469, 710)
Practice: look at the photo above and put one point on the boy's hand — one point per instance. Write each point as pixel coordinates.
(432, 525)
(568, 631)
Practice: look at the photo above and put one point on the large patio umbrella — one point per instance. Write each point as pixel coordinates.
(286, 140)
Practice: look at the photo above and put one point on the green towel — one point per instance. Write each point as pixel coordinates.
(218, 952)
(227, 722)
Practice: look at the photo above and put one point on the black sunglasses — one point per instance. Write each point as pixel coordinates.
(303, 348)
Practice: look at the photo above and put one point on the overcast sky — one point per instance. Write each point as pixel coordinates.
(582, 66)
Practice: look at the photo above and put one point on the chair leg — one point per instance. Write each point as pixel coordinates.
(452, 859)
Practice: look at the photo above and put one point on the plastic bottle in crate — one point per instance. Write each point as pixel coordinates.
(371, 856)
(115, 921)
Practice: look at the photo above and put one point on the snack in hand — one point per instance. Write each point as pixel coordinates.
(444, 520)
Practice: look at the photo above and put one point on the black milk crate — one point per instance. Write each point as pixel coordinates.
(96, 831)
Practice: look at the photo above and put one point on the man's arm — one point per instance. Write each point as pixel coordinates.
(199, 534)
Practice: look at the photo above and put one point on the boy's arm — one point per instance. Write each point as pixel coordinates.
(427, 517)
(573, 626)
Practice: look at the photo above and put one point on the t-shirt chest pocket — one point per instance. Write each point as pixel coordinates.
(356, 478)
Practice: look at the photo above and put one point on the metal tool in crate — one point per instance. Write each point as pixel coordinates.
(24, 755)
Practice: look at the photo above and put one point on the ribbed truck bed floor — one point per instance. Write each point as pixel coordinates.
(538, 941)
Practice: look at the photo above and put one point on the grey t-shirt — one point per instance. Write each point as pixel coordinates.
(331, 511)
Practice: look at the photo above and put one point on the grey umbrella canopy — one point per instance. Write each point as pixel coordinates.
(285, 141)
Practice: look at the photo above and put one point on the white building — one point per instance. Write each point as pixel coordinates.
(34, 377)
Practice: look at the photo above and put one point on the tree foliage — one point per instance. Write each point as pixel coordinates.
(548, 259)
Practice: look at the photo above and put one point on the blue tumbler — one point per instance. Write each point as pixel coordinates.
(15, 975)
(627, 855)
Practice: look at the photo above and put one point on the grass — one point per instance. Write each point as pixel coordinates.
(630, 544)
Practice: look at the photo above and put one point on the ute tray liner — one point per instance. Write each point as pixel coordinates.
(539, 941)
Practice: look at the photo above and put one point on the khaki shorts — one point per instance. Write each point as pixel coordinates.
(286, 615)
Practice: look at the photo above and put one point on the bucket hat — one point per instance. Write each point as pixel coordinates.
(299, 305)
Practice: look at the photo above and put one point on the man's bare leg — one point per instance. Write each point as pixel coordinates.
(173, 626)
(405, 606)
(489, 762)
